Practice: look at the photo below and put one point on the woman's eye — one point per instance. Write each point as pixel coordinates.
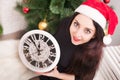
(76, 24)
(87, 31)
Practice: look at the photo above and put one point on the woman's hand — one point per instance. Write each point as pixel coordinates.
(55, 73)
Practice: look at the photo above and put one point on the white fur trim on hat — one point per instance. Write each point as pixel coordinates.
(107, 39)
(93, 14)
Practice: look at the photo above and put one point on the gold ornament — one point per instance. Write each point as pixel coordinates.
(42, 25)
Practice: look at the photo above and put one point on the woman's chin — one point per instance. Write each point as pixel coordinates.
(75, 43)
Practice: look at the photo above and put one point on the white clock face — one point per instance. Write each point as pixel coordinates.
(39, 51)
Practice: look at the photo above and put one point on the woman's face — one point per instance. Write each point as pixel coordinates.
(82, 29)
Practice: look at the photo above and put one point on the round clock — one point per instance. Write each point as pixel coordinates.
(39, 51)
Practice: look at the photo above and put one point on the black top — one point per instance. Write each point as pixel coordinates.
(66, 48)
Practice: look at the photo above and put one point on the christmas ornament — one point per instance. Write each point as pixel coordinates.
(39, 51)
(106, 1)
(26, 10)
(42, 25)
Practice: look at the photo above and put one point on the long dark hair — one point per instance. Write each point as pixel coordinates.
(86, 57)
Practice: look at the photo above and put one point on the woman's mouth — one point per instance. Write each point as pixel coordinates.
(76, 39)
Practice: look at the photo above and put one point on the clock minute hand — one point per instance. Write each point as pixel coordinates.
(36, 47)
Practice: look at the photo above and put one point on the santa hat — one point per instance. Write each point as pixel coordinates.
(102, 14)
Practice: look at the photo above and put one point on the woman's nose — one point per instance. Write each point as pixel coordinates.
(79, 34)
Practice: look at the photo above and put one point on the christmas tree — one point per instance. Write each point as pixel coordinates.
(45, 14)
(1, 30)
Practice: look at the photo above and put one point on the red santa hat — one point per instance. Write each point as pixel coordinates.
(102, 14)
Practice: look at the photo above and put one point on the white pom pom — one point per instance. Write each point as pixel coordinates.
(107, 39)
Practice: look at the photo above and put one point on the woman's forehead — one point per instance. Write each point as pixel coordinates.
(84, 20)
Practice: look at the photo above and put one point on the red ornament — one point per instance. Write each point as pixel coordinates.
(26, 10)
(106, 1)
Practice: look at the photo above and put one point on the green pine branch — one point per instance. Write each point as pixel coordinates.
(51, 10)
(1, 30)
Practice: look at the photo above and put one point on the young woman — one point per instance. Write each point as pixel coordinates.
(81, 41)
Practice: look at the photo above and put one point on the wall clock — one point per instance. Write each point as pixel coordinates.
(39, 51)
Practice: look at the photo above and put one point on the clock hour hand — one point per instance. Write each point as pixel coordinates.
(39, 49)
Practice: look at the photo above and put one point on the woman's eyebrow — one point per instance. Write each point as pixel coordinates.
(90, 29)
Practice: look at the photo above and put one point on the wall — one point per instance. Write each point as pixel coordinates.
(116, 36)
(10, 19)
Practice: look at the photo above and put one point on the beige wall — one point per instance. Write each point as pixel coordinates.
(10, 19)
(116, 36)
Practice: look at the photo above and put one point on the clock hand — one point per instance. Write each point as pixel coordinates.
(36, 47)
(39, 49)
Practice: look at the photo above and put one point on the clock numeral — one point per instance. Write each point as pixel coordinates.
(52, 54)
(50, 61)
(25, 47)
(27, 55)
(37, 64)
(33, 37)
(41, 37)
(42, 65)
(26, 50)
(32, 62)
(52, 57)
(52, 46)
(28, 41)
(47, 40)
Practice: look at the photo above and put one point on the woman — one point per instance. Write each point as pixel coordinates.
(81, 41)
